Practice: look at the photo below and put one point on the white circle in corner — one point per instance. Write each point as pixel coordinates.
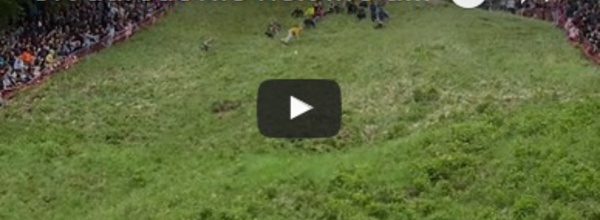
(468, 4)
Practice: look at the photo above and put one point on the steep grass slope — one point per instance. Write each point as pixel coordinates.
(448, 114)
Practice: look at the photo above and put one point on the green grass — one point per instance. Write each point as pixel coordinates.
(448, 114)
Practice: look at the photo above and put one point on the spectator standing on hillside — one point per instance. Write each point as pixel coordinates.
(20, 70)
(573, 31)
(594, 39)
(18, 65)
(27, 57)
(3, 73)
(110, 35)
(8, 80)
(129, 29)
(89, 39)
(50, 60)
(2, 60)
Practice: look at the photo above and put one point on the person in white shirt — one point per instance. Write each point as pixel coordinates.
(574, 34)
(110, 35)
(19, 65)
(511, 6)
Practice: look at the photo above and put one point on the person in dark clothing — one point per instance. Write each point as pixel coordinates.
(361, 14)
(373, 9)
(207, 44)
(363, 4)
(319, 10)
(309, 23)
(297, 13)
(382, 16)
(330, 9)
(351, 7)
(273, 29)
(338, 7)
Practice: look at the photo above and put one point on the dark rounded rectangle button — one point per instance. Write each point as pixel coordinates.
(299, 108)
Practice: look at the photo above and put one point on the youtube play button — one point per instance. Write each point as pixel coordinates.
(299, 108)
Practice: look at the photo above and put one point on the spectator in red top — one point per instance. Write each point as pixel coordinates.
(27, 57)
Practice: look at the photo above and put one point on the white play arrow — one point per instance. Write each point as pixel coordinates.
(298, 107)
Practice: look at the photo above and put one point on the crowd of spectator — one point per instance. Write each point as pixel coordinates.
(583, 22)
(52, 30)
(579, 18)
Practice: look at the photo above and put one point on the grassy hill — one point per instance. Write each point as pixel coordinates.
(448, 114)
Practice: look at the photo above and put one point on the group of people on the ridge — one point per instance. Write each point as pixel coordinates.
(313, 14)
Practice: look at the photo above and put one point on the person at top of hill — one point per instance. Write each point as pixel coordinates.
(362, 13)
(297, 13)
(511, 6)
(330, 9)
(318, 10)
(363, 4)
(351, 7)
(309, 12)
(373, 10)
(338, 7)
(293, 32)
(382, 16)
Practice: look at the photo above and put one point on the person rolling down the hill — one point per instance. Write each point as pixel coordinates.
(310, 23)
(206, 45)
(293, 32)
(273, 29)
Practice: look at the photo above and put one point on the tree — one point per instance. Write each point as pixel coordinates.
(9, 9)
